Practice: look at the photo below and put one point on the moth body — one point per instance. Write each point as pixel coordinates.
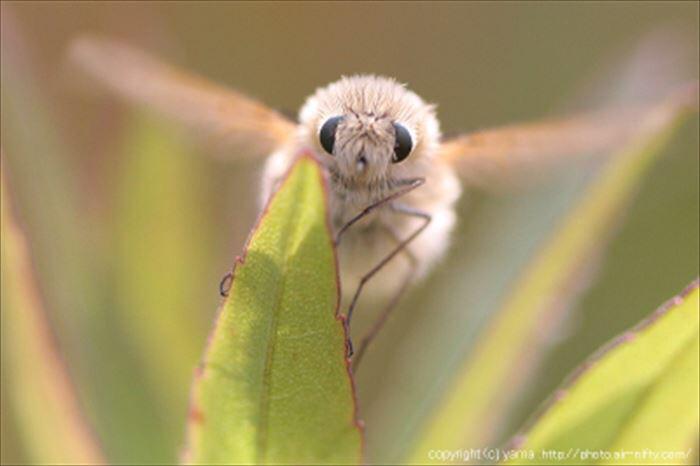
(361, 169)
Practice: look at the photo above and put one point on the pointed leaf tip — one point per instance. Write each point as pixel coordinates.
(275, 385)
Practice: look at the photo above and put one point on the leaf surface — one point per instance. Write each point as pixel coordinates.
(275, 384)
(635, 401)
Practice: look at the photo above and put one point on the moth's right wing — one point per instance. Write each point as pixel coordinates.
(215, 110)
(502, 156)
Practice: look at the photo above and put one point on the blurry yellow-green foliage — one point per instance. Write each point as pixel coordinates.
(130, 225)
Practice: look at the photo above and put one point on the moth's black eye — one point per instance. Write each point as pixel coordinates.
(327, 134)
(403, 143)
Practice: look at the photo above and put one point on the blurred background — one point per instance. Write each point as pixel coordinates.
(131, 223)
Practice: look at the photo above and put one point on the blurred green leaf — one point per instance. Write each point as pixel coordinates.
(638, 394)
(66, 238)
(275, 384)
(35, 382)
(160, 278)
(478, 400)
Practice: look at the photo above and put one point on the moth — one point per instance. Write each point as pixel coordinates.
(393, 179)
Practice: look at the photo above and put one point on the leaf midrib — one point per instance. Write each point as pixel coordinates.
(264, 411)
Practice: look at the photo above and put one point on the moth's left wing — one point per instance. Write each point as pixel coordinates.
(503, 155)
(211, 109)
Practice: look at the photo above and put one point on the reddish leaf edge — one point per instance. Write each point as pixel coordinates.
(194, 413)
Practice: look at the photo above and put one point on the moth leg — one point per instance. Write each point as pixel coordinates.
(391, 305)
(398, 249)
(408, 186)
(225, 284)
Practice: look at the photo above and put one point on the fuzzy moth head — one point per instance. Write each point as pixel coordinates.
(369, 128)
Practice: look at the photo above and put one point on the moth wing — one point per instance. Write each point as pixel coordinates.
(227, 115)
(506, 154)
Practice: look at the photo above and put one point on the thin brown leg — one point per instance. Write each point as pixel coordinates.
(398, 249)
(225, 284)
(408, 186)
(388, 308)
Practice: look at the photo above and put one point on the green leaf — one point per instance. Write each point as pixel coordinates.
(72, 257)
(35, 384)
(477, 402)
(637, 396)
(159, 274)
(275, 385)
